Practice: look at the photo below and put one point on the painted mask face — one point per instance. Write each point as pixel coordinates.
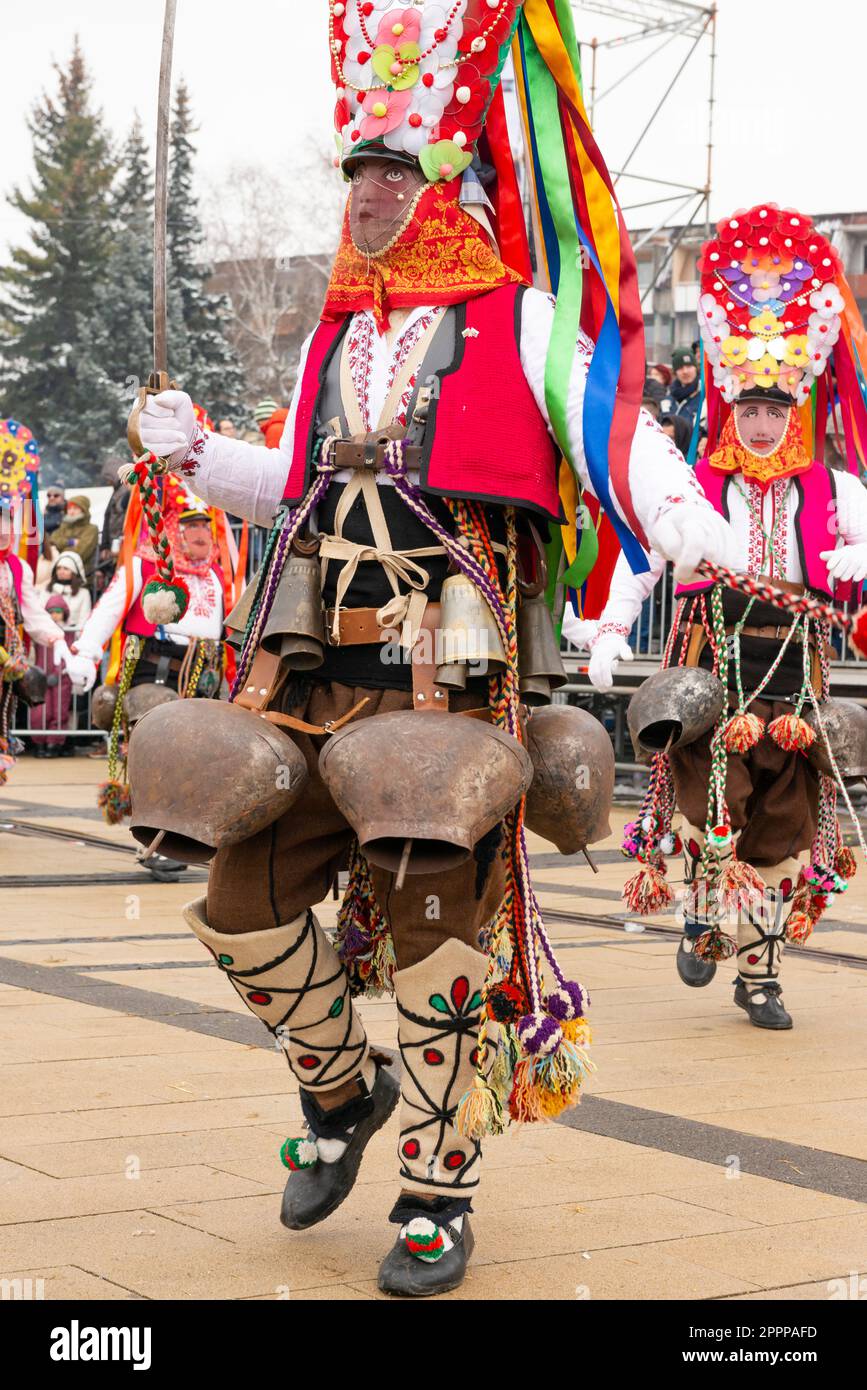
(196, 539)
(761, 425)
(381, 200)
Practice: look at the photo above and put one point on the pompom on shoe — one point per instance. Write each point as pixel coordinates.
(432, 1251)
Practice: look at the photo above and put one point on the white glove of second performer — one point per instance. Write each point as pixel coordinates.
(608, 652)
(80, 670)
(847, 563)
(687, 533)
(579, 631)
(167, 425)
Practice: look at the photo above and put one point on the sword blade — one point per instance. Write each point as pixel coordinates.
(161, 191)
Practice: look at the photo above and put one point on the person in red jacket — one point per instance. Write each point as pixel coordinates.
(271, 419)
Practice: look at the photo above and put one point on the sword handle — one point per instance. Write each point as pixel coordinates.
(156, 383)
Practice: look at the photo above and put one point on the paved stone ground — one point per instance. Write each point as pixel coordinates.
(140, 1114)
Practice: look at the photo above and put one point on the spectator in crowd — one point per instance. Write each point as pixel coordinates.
(53, 714)
(659, 372)
(271, 420)
(684, 395)
(77, 532)
(227, 428)
(55, 507)
(112, 522)
(68, 581)
(679, 429)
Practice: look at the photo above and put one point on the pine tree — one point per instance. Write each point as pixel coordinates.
(203, 361)
(117, 330)
(48, 289)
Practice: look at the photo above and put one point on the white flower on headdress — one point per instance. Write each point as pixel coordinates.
(823, 331)
(757, 349)
(407, 138)
(777, 348)
(434, 17)
(827, 302)
(728, 388)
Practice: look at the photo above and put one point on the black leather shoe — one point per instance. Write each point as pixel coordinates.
(405, 1275)
(763, 1004)
(694, 971)
(313, 1193)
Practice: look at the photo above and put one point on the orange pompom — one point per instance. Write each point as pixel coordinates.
(792, 733)
(743, 732)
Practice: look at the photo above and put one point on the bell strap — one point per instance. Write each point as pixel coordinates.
(403, 610)
(288, 721)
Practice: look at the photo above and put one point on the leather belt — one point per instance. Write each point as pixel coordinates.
(370, 454)
(773, 634)
(357, 627)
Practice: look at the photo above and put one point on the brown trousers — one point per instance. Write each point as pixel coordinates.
(773, 796)
(290, 866)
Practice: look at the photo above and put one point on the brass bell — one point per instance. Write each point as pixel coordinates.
(205, 775)
(102, 707)
(295, 630)
(570, 797)
(237, 620)
(421, 793)
(467, 634)
(540, 665)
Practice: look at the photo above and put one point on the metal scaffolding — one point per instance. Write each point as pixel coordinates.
(680, 31)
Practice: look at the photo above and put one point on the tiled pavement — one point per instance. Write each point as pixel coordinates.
(140, 1115)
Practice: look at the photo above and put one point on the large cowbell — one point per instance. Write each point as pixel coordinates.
(673, 708)
(570, 797)
(237, 620)
(205, 775)
(845, 724)
(420, 791)
(141, 699)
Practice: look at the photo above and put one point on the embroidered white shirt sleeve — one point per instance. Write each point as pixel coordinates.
(658, 473)
(37, 624)
(244, 479)
(105, 618)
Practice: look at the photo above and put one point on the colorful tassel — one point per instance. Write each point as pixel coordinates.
(799, 928)
(792, 733)
(845, 862)
(114, 800)
(743, 732)
(480, 1111)
(647, 891)
(715, 945)
(740, 887)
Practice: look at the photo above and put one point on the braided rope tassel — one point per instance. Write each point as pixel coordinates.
(364, 942)
(165, 598)
(113, 797)
(283, 533)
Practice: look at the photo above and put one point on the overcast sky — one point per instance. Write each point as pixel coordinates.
(789, 114)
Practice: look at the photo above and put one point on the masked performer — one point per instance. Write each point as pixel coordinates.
(775, 309)
(184, 658)
(422, 436)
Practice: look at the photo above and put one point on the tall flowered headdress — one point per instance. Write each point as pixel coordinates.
(19, 485)
(778, 321)
(421, 81)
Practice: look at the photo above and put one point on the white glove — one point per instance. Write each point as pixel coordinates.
(687, 533)
(80, 670)
(167, 425)
(608, 652)
(60, 652)
(579, 631)
(847, 563)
